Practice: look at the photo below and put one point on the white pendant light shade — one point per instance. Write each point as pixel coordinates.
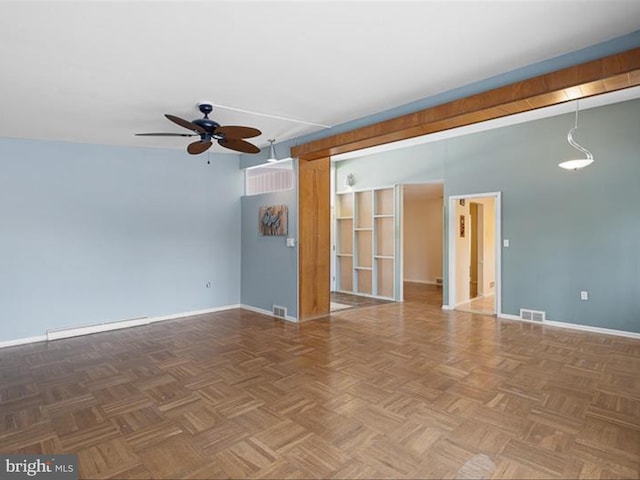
(578, 163)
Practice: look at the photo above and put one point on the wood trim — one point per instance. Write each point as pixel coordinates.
(314, 238)
(608, 74)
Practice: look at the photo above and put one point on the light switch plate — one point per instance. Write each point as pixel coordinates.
(291, 242)
(505, 243)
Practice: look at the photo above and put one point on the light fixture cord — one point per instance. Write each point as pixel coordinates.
(277, 117)
(575, 144)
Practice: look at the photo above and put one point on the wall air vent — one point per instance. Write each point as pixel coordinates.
(532, 315)
(280, 312)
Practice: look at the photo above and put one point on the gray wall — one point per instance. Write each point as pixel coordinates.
(93, 234)
(569, 231)
(269, 267)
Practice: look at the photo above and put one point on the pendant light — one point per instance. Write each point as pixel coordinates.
(272, 151)
(578, 163)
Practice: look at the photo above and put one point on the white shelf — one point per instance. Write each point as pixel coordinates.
(369, 219)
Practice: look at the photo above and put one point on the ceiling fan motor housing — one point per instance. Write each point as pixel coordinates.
(206, 123)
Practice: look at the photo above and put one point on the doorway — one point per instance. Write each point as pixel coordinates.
(422, 233)
(474, 253)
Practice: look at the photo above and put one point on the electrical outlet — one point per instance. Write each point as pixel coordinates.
(584, 295)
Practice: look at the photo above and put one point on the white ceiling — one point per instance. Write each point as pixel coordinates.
(98, 72)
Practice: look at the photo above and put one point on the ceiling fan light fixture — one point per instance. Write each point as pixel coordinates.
(272, 151)
(578, 163)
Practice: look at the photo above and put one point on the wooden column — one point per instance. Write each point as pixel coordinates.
(314, 238)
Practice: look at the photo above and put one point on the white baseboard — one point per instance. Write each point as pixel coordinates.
(69, 332)
(195, 312)
(508, 316)
(22, 341)
(89, 329)
(574, 326)
(267, 312)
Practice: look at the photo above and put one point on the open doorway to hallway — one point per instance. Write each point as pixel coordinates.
(474, 254)
(422, 239)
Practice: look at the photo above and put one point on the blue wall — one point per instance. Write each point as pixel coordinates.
(569, 231)
(92, 234)
(269, 267)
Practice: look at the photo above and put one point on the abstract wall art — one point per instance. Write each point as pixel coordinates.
(273, 220)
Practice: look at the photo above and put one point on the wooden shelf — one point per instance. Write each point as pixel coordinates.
(344, 205)
(365, 226)
(363, 209)
(384, 202)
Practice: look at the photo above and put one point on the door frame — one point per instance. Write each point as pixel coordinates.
(452, 229)
(475, 224)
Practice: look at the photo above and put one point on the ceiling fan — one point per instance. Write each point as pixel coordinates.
(231, 136)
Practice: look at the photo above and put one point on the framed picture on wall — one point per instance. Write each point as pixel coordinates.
(461, 226)
(272, 220)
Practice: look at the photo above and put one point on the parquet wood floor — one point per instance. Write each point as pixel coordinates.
(399, 390)
(356, 300)
(484, 305)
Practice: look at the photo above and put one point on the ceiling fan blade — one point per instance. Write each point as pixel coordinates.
(236, 131)
(198, 147)
(238, 145)
(166, 134)
(184, 123)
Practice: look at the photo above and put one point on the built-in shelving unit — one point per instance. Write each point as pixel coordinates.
(366, 242)
(344, 247)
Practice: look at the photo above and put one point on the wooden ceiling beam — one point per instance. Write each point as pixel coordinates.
(608, 74)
